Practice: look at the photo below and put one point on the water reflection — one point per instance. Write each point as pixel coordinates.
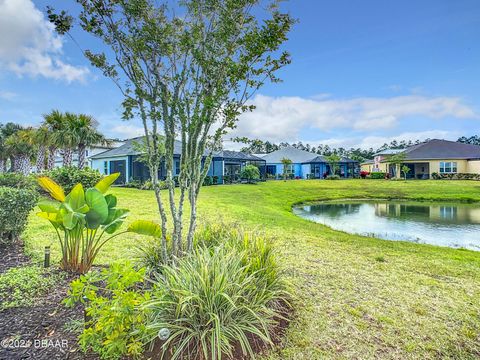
(445, 224)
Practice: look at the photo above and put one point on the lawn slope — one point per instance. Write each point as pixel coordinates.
(356, 297)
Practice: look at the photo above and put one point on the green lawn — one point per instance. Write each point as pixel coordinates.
(422, 302)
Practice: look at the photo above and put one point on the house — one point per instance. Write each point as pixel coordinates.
(433, 156)
(91, 151)
(367, 165)
(306, 164)
(127, 160)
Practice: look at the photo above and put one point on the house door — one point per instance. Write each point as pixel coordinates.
(119, 166)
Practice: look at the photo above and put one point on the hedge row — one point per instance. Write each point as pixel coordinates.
(458, 176)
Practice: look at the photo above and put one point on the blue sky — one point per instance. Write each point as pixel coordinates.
(363, 72)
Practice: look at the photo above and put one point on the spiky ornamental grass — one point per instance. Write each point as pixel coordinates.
(217, 298)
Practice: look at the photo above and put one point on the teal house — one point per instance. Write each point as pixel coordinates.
(226, 165)
(307, 165)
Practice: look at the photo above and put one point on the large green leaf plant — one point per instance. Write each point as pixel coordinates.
(85, 220)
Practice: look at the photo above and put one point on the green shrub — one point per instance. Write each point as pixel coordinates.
(18, 181)
(230, 287)
(227, 179)
(112, 300)
(133, 184)
(377, 175)
(251, 173)
(207, 181)
(332, 177)
(22, 286)
(455, 176)
(215, 179)
(68, 177)
(15, 206)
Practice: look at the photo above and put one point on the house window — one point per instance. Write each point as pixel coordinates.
(177, 167)
(289, 169)
(448, 167)
(105, 167)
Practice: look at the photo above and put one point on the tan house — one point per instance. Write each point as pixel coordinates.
(434, 156)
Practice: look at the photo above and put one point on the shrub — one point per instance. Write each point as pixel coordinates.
(115, 323)
(456, 176)
(251, 173)
(18, 181)
(83, 217)
(15, 206)
(227, 179)
(68, 177)
(226, 290)
(364, 174)
(377, 175)
(333, 177)
(23, 285)
(134, 184)
(207, 181)
(215, 180)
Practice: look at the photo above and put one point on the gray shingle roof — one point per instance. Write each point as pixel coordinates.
(237, 155)
(323, 159)
(442, 150)
(289, 152)
(129, 148)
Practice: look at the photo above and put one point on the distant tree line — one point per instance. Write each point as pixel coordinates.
(257, 146)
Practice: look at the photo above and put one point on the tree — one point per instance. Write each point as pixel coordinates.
(333, 161)
(251, 173)
(405, 171)
(66, 138)
(8, 130)
(286, 165)
(54, 123)
(397, 160)
(85, 133)
(41, 137)
(188, 77)
(20, 146)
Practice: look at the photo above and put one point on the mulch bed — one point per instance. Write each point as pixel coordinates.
(11, 256)
(38, 332)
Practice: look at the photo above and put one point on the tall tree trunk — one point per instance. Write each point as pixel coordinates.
(14, 162)
(52, 150)
(3, 166)
(40, 164)
(67, 157)
(24, 165)
(82, 150)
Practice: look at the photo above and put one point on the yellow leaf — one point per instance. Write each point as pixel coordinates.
(52, 188)
(106, 182)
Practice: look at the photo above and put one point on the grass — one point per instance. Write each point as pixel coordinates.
(356, 297)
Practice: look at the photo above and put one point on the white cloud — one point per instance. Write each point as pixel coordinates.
(29, 45)
(7, 95)
(126, 131)
(282, 118)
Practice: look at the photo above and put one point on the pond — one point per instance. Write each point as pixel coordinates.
(444, 224)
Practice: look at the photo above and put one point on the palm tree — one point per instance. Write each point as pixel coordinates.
(42, 138)
(85, 133)
(66, 138)
(8, 130)
(20, 146)
(54, 123)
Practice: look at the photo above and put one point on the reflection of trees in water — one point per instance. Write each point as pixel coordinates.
(335, 210)
(442, 214)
